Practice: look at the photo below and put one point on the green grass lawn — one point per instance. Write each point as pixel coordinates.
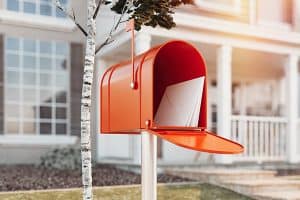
(165, 192)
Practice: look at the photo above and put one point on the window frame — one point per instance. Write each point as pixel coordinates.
(274, 25)
(45, 140)
(234, 9)
(37, 87)
(37, 12)
(269, 24)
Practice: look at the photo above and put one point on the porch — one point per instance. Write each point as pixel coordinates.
(264, 138)
(253, 99)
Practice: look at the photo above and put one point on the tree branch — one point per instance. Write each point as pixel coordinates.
(98, 8)
(106, 42)
(115, 26)
(71, 16)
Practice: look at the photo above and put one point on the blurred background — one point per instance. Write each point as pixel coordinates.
(252, 51)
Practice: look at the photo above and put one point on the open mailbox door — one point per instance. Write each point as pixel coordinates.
(125, 110)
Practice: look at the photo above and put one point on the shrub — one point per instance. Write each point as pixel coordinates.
(62, 158)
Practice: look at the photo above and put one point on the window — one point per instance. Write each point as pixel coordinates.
(224, 6)
(39, 7)
(36, 87)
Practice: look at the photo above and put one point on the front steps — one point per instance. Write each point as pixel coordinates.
(278, 195)
(220, 175)
(262, 185)
(259, 184)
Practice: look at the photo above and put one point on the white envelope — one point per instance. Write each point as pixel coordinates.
(180, 104)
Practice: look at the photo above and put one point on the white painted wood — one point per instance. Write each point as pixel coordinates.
(261, 138)
(114, 147)
(258, 118)
(233, 8)
(296, 14)
(267, 141)
(240, 128)
(283, 140)
(252, 12)
(277, 140)
(233, 130)
(149, 165)
(148, 153)
(245, 137)
(275, 25)
(256, 147)
(44, 140)
(208, 30)
(224, 59)
(209, 106)
(33, 21)
(100, 67)
(142, 44)
(298, 148)
(251, 136)
(272, 140)
(226, 26)
(292, 105)
(216, 38)
(275, 19)
(243, 99)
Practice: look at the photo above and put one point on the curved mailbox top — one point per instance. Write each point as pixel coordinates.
(125, 110)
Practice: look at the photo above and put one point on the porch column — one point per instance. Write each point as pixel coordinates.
(292, 106)
(209, 107)
(224, 87)
(296, 15)
(252, 12)
(142, 44)
(1, 84)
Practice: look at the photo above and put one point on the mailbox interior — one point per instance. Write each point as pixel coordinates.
(174, 63)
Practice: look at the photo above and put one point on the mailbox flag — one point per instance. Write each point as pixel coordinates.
(180, 104)
(130, 25)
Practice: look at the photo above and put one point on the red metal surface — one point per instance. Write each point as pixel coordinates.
(128, 111)
(200, 140)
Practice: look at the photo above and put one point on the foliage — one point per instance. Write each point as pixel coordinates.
(62, 158)
(149, 12)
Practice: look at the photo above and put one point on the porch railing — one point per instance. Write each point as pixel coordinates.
(264, 138)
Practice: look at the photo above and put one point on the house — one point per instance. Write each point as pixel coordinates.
(41, 59)
(252, 51)
(251, 48)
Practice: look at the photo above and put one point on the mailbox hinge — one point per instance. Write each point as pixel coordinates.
(148, 123)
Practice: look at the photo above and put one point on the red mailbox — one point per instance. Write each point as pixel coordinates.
(125, 110)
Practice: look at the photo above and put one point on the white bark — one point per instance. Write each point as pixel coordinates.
(86, 103)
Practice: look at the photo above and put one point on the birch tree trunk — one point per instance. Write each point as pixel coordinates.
(86, 100)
